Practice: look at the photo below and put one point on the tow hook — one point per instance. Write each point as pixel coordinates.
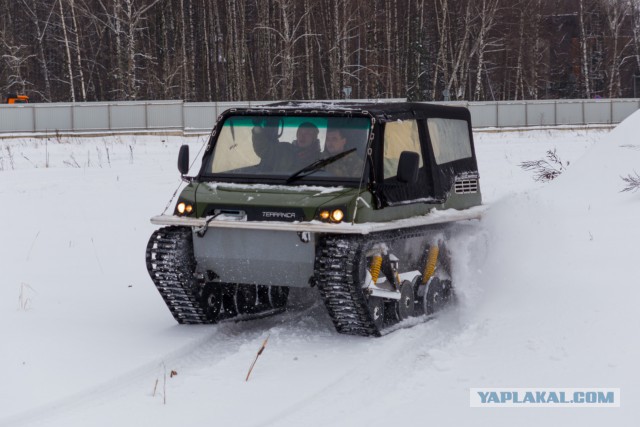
(304, 236)
(203, 230)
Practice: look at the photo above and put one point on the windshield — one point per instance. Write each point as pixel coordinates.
(275, 146)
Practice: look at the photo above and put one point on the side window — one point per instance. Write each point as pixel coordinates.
(450, 139)
(398, 137)
(234, 149)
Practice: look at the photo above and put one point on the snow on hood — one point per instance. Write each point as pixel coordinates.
(266, 187)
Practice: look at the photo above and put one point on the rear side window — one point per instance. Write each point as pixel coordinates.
(398, 137)
(450, 139)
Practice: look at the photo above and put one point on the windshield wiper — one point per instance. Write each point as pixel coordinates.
(318, 164)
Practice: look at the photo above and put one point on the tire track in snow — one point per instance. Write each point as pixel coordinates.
(401, 354)
(222, 342)
(377, 362)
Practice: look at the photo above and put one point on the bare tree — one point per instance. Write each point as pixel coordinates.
(72, 91)
(15, 58)
(285, 58)
(41, 25)
(584, 42)
(442, 20)
(616, 13)
(76, 32)
(460, 54)
(536, 59)
(208, 50)
(632, 182)
(487, 12)
(126, 21)
(634, 10)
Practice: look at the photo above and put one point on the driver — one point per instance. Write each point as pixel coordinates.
(285, 157)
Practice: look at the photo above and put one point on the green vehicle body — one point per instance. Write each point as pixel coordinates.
(257, 226)
(202, 197)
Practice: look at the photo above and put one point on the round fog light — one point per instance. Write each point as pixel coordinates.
(324, 215)
(337, 215)
(189, 208)
(181, 208)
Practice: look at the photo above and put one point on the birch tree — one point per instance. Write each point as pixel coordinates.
(460, 54)
(616, 13)
(67, 48)
(634, 10)
(41, 25)
(487, 19)
(442, 21)
(221, 50)
(14, 54)
(584, 48)
(290, 34)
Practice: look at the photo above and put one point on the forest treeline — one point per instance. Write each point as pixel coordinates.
(226, 50)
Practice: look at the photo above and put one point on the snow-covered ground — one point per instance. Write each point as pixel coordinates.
(547, 286)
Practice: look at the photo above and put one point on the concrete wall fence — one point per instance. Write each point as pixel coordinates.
(199, 117)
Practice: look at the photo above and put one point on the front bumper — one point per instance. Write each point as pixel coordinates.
(435, 217)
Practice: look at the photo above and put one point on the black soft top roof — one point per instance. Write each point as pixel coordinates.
(384, 112)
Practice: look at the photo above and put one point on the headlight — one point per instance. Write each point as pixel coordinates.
(331, 215)
(183, 207)
(337, 215)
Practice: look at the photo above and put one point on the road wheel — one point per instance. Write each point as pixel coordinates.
(246, 299)
(376, 308)
(278, 296)
(437, 295)
(406, 305)
(211, 301)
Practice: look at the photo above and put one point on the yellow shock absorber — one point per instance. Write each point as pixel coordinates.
(430, 266)
(376, 265)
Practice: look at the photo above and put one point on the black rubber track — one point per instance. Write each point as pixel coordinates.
(171, 265)
(340, 271)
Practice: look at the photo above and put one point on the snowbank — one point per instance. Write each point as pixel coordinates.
(559, 290)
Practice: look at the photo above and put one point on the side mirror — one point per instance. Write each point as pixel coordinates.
(183, 160)
(408, 167)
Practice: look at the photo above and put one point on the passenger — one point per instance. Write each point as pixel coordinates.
(277, 156)
(335, 143)
(306, 145)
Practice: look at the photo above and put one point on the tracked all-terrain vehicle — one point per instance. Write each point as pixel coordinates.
(355, 199)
